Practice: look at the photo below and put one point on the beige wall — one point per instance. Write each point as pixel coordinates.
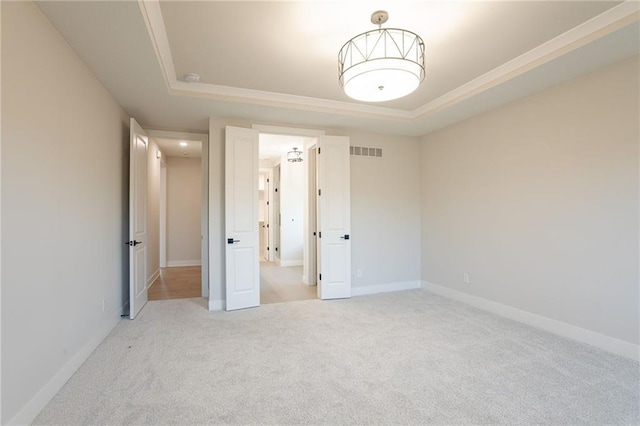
(291, 210)
(538, 202)
(385, 209)
(184, 204)
(64, 218)
(153, 212)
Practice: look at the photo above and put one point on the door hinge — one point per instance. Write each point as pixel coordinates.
(267, 180)
(314, 234)
(320, 277)
(267, 248)
(320, 234)
(267, 225)
(319, 192)
(267, 203)
(276, 248)
(319, 150)
(276, 189)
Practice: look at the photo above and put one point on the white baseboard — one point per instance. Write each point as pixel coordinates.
(174, 263)
(385, 288)
(153, 277)
(284, 263)
(609, 344)
(30, 411)
(216, 305)
(305, 279)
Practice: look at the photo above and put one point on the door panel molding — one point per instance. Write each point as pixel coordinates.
(241, 219)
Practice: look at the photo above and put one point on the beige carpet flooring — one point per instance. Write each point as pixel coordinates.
(283, 284)
(398, 358)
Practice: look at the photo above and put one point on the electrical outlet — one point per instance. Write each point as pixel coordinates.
(465, 278)
(359, 273)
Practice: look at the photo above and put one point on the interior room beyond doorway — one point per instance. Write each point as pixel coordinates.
(178, 282)
(179, 220)
(282, 195)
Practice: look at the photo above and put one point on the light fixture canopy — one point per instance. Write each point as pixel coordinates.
(294, 156)
(383, 64)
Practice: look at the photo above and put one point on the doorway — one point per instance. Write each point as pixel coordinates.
(283, 193)
(182, 193)
(333, 255)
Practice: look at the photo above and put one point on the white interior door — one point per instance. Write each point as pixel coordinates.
(137, 219)
(204, 222)
(241, 218)
(267, 215)
(277, 216)
(334, 217)
(312, 154)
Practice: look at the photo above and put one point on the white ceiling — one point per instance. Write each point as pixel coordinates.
(275, 146)
(172, 148)
(276, 61)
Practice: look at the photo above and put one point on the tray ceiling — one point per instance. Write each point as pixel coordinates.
(277, 61)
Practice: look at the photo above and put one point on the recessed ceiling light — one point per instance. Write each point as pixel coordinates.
(183, 143)
(191, 77)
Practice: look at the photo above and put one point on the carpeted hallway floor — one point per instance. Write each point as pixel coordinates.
(283, 284)
(398, 358)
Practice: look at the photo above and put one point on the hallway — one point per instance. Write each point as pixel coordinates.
(283, 284)
(177, 283)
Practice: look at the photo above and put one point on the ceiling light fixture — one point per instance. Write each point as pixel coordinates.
(294, 156)
(383, 64)
(183, 143)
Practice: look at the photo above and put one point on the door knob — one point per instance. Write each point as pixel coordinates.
(231, 241)
(345, 237)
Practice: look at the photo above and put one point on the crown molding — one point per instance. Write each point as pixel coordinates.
(604, 24)
(600, 26)
(258, 97)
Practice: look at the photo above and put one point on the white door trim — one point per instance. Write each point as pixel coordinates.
(290, 131)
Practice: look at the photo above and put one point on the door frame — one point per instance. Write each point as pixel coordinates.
(203, 138)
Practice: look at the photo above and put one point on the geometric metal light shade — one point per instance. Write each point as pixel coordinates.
(382, 64)
(294, 156)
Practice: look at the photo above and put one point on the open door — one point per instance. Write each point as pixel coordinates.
(334, 217)
(312, 219)
(241, 218)
(137, 219)
(277, 215)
